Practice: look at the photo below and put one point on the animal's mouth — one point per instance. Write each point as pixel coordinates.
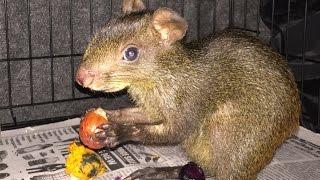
(113, 89)
(103, 86)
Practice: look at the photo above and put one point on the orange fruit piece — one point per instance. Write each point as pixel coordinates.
(89, 126)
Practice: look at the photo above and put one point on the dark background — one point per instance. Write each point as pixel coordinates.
(41, 43)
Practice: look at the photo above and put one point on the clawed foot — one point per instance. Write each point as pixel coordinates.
(113, 134)
(155, 173)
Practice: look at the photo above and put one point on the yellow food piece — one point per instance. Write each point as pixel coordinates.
(83, 163)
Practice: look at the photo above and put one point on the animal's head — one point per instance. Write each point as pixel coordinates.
(125, 51)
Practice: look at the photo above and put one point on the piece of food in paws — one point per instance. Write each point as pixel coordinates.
(89, 126)
(83, 163)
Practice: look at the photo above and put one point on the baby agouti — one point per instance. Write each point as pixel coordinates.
(230, 102)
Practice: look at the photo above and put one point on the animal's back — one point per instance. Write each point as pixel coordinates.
(256, 106)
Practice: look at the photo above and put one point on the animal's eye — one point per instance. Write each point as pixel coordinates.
(131, 54)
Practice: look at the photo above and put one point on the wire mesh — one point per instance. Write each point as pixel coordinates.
(73, 54)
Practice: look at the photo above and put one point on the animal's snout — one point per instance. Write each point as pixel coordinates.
(85, 77)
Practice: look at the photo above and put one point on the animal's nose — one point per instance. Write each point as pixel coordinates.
(84, 77)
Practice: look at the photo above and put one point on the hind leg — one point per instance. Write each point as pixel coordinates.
(226, 157)
(242, 158)
(235, 145)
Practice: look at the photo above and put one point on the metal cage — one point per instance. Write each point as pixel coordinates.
(42, 41)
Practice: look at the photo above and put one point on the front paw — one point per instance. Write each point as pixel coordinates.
(112, 134)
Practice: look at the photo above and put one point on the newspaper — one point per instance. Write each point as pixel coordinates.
(39, 153)
(297, 159)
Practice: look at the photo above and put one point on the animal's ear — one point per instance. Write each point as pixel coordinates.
(130, 6)
(169, 24)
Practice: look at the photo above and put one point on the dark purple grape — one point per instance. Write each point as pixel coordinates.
(191, 171)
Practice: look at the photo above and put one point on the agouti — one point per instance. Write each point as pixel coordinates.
(230, 102)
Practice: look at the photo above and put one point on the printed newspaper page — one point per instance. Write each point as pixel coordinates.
(298, 158)
(39, 153)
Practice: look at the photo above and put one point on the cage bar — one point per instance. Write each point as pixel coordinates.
(44, 103)
(198, 19)
(38, 122)
(30, 51)
(258, 19)
(110, 13)
(91, 17)
(245, 6)
(71, 49)
(51, 51)
(231, 13)
(182, 7)
(40, 57)
(303, 50)
(8, 61)
(287, 31)
(272, 19)
(214, 22)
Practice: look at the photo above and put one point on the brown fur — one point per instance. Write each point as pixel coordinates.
(230, 103)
